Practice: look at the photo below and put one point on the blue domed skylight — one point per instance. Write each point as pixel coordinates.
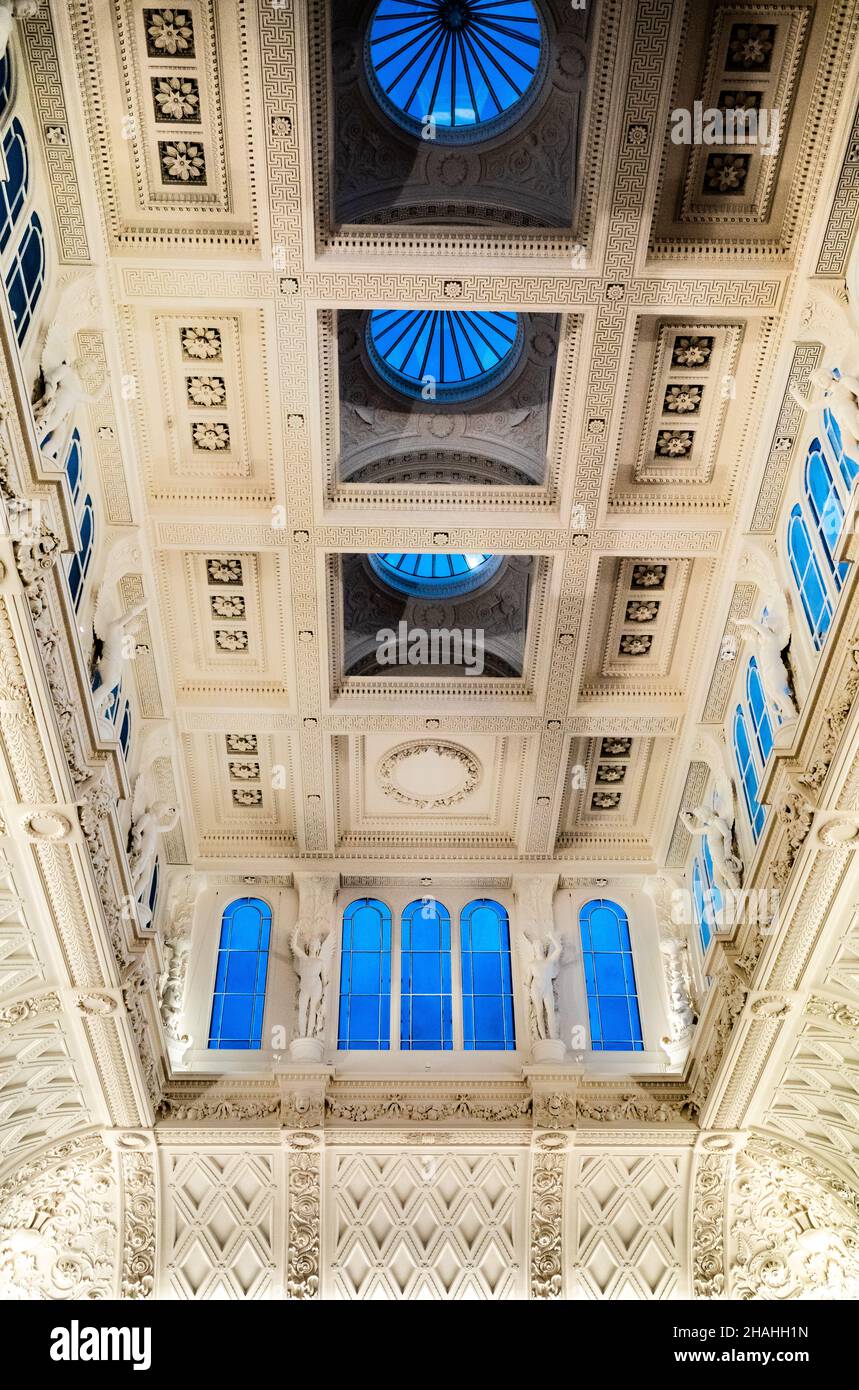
(436, 575)
(440, 354)
(469, 66)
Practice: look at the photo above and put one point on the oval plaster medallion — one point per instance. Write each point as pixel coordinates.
(429, 775)
(47, 825)
(838, 833)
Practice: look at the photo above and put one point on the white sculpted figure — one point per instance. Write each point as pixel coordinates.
(149, 821)
(840, 394)
(771, 636)
(543, 962)
(718, 832)
(117, 646)
(63, 389)
(10, 10)
(312, 961)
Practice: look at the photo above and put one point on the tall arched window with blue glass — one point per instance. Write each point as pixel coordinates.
(364, 1016)
(240, 976)
(487, 978)
(426, 998)
(747, 768)
(613, 1013)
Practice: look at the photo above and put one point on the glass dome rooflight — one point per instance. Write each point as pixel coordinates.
(469, 67)
(438, 574)
(442, 354)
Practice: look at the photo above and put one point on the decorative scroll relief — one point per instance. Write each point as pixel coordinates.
(304, 1218)
(628, 1225)
(223, 1217)
(139, 1223)
(59, 1225)
(713, 1165)
(793, 1234)
(416, 1225)
(547, 1212)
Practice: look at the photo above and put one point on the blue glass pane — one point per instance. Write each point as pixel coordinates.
(26, 275)
(758, 707)
(13, 191)
(426, 1015)
(365, 977)
(809, 580)
(441, 354)
(487, 977)
(609, 973)
(5, 81)
(748, 774)
(469, 66)
(609, 977)
(441, 575)
(238, 1002)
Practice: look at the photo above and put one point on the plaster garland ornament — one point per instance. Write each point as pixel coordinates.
(835, 717)
(407, 784)
(795, 815)
(22, 1010)
(172, 1107)
(733, 991)
(402, 1107)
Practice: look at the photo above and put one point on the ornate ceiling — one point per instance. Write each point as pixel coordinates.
(257, 204)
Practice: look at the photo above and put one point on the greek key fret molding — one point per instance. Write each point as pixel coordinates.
(46, 86)
(838, 237)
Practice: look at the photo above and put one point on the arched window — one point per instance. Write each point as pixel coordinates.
(125, 731)
(426, 1000)
(153, 894)
(487, 978)
(74, 470)
(5, 82)
(364, 1021)
(712, 892)
(14, 188)
(848, 467)
(80, 563)
(761, 723)
(615, 1021)
(26, 276)
(816, 603)
(702, 905)
(239, 995)
(748, 772)
(825, 506)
